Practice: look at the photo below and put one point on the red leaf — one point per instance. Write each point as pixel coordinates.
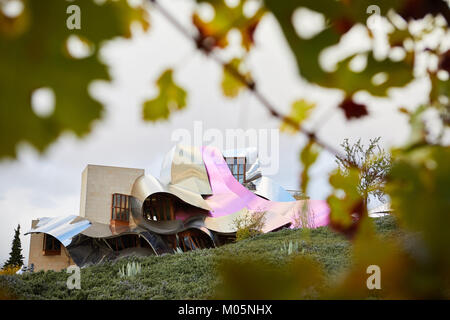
(417, 9)
(444, 63)
(342, 25)
(353, 109)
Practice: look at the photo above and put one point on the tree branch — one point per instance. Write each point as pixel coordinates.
(205, 46)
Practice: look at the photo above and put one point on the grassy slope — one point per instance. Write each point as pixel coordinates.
(188, 275)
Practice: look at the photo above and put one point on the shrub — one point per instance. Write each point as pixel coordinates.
(249, 225)
(9, 270)
(304, 218)
(7, 284)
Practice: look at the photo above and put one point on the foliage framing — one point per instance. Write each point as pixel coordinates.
(420, 169)
(34, 54)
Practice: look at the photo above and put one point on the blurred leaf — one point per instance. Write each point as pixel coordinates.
(225, 19)
(419, 187)
(371, 250)
(440, 88)
(418, 131)
(308, 157)
(398, 74)
(444, 61)
(171, 97)
(258, 280)
(352, 109)
(11, 27)
(398, 36)
(346, 204)
(341, 15)
(300, 111)
(231, 87)
(34, 54)
(417, 9)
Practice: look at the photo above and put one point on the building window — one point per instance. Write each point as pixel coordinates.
(192, 240)
(159, 207)
(127, 241)
(120, 208)
(51, 246)
(237, 167)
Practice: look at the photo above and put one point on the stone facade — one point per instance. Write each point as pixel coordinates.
(98, 184)
(43, 262)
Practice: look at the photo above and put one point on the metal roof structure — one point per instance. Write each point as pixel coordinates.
(208, 199)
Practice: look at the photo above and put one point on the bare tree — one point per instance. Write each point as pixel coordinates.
(374, 164)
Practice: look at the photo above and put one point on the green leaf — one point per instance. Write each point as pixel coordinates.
(341, 15)
(369, 249)
(419, 188)
(247, 278)
(171, 97)
(225, 19)
(300, 111)
(417, 126)
(308, 157)
(231, 87)
(34, 54)
(439, 88)
(345, 200)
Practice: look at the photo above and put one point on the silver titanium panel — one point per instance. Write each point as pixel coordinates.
(62, 228)
(147, 185)
(271, 190)
(183, 167)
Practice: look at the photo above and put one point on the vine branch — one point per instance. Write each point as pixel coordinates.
(204, 44)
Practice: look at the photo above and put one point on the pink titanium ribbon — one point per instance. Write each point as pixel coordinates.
(229, 196)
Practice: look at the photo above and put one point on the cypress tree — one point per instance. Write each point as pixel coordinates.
(15, 256)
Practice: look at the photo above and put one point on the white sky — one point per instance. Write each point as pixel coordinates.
(49, 185)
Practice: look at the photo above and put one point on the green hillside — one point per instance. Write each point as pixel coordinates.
(190, 275)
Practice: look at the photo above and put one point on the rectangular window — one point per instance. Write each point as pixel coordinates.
(51, 246)
(120, 208)
(237, 167)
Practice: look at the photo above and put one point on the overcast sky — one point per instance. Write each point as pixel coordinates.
(49, 184)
